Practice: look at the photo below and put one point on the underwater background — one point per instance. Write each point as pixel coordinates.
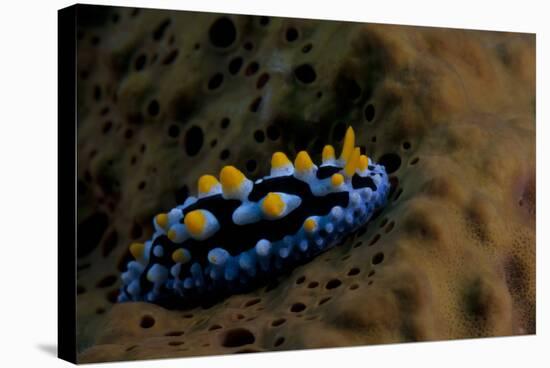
(166, 96)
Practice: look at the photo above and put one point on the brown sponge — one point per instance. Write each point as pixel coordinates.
(164, 97)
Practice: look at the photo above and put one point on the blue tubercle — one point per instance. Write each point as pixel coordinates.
(236, 232)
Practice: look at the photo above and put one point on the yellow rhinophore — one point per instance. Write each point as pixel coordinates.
(328, 153)
(337, 180)
(352, 163)
(349, 144)
(279, 160)
(180, 256)
(310, 225)
(273, 205)
(363, 163)
(231, 178)
(195, 222)
(162, 220)
(206, 183)
(303, 162)
(136, 249)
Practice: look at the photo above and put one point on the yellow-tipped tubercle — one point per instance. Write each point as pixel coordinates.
(363, 163)
(310, 225)
(172, 234)
(279, 160)
(349, 144)
(206, 183)
(328, 153)
(195, 222)
(179, 256)
(352, 163)
(303, 161)
(337, 180)
(231, 178)
(162, 220)
(273, 205)
(136, 249)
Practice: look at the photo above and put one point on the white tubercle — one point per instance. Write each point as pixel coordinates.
(247, 213)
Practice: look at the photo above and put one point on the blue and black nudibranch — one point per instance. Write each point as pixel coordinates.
(236, 231)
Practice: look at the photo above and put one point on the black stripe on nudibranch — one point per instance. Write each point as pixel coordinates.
(325, 172)
(238, 238)
(363, 182)
(284, 184)
(237, 230)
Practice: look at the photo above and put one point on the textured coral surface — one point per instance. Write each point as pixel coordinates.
(164, 97)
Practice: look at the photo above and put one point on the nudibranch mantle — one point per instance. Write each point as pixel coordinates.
(236, 231)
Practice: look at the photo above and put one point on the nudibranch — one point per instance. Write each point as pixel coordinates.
(237, 231)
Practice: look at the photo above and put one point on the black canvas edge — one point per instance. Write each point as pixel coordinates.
(66, 187)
